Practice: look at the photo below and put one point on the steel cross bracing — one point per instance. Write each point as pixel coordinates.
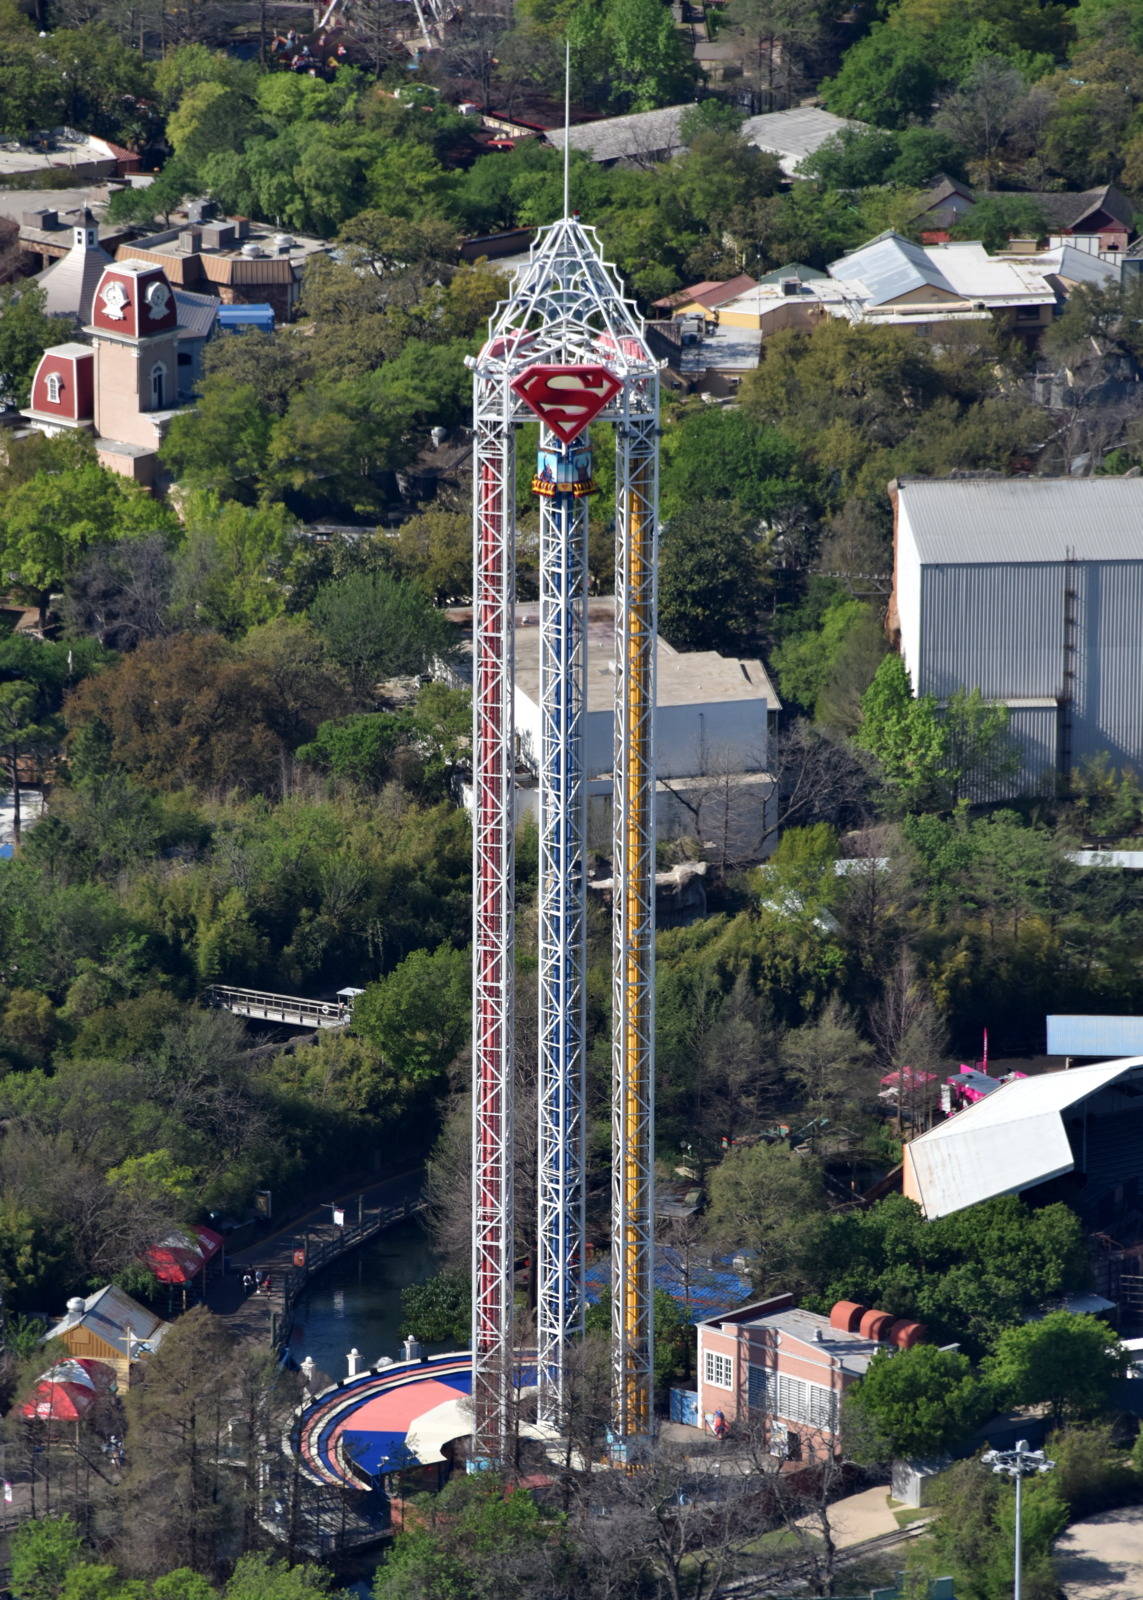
(563, 889)
(493, 746)
(567, 308)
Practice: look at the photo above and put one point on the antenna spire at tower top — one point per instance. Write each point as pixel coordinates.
(567, 120)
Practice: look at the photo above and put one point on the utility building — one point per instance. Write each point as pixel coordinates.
(1030, 590)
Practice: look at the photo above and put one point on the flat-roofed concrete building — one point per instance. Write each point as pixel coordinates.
(242, 262)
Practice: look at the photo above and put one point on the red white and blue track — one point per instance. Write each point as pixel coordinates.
(359, 1430)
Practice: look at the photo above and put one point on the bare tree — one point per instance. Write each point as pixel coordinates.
(470, 51)
(911, 1038)
(877, 890)
(817, 778)
(993, 108)
(120, 594)
(684, 1518)
(801, 1501)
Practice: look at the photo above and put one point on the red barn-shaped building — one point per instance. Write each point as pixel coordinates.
(63, 390)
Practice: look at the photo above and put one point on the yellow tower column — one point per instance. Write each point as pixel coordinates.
(633, 1016)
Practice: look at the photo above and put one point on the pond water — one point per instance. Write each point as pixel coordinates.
(356, 1302)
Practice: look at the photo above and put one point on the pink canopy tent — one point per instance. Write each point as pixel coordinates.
(913, 1077)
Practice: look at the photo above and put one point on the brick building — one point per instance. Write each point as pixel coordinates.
(774, 1365)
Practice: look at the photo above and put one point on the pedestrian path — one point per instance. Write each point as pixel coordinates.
(257, 1317)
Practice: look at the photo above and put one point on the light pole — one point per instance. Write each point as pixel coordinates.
(1020, 1463)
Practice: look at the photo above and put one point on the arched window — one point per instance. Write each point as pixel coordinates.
(53, 388)
(158, 386)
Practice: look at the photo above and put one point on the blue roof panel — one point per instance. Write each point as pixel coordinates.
(701, 1291)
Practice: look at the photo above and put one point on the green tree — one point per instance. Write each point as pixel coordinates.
(719, 456)
(210, 117)
(830, 1063)
(434, 550)
(983, 760)
(887, 78)
(917, 1402)
(229, 575)
(966, 1277)
(974, 1534)
(906, 736)
(712, 579)
(166, 194)
(359, 747)
(766, 1198)
(831, 658)
(48, 523)
(258, 1576)
(438, 1309)
(43, 1553)
(853, 158)
(1062, 1360)
(418, 1016)
(29, 79)
(997, 218)
(26, 331)
(476, 1540)
(222, 445)
(650, 63)
(377, 627)
(1091, 1473)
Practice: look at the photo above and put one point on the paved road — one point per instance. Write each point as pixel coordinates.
(248, 1316)
(1102, 1558)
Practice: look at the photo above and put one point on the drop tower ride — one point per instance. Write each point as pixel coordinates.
(566, 349)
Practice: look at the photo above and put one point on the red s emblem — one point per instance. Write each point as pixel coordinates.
(567, 398)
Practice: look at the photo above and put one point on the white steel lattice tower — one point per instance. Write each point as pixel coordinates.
(563, 889)
(568, 348)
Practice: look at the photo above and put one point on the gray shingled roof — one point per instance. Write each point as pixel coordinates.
(70, 282)
(989, 520)
(196, 313)
(1062, 210)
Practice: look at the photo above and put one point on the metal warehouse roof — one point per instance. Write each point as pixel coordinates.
(1010, 1141)
(978, 521)
(888, 267)
(650, 135)
(794, 134)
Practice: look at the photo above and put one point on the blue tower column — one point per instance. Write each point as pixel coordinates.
(563, 482)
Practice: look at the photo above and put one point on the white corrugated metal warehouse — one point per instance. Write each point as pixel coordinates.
(1074, 1136)
(1030, 589)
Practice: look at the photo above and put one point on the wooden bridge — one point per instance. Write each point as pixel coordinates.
(291, 1010)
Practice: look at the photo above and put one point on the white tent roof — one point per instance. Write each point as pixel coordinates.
(1013, 1139)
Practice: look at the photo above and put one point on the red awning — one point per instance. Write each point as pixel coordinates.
(68, 1390)
(182, 1256)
